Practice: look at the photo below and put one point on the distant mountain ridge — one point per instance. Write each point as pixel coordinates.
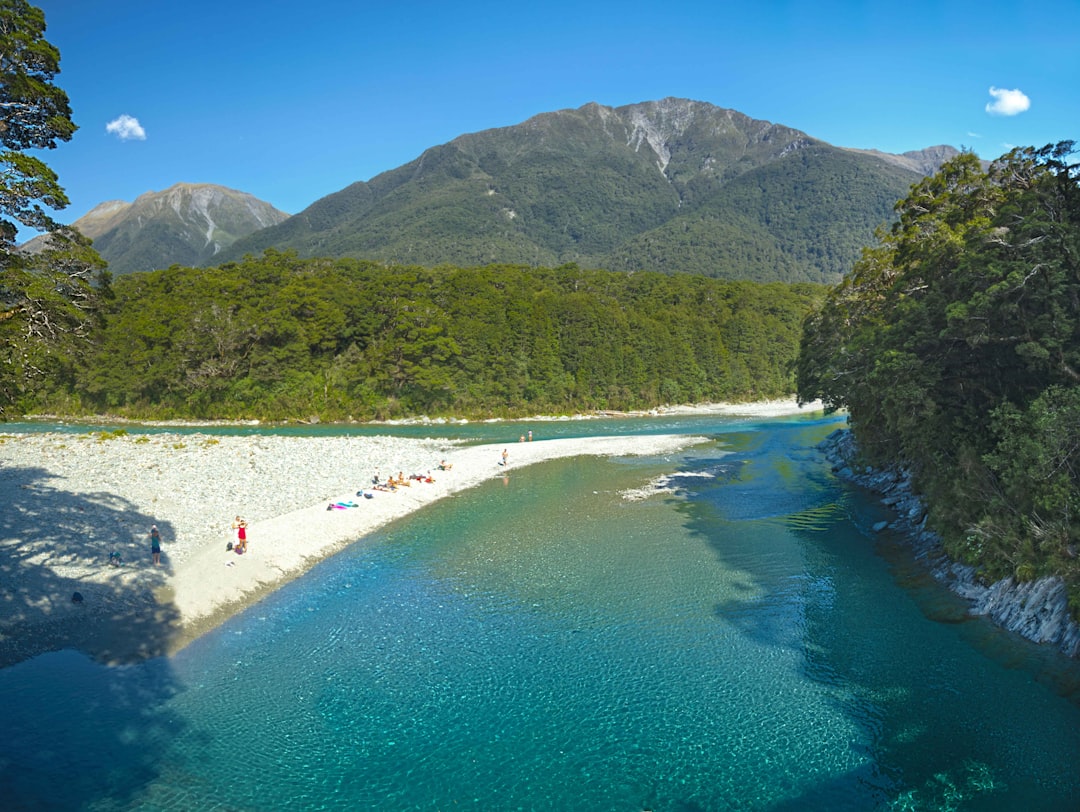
(924, 161)
(675, 185)
(187, 224)
(672, 185)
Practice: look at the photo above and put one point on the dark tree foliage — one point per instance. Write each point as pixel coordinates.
(34, 114)
(47, 301)
(955, 347)
(278, 337)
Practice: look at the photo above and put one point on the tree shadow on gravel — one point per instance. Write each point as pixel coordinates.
(54, 544)
(81, 728)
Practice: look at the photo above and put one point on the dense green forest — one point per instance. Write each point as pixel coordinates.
(278, 337)
(955, 347)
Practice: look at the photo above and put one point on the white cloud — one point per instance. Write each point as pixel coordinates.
(974, 135)
(1007, 102)
(126, 128)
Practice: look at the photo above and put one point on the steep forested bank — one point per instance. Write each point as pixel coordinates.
(278, 337)
(955, 347)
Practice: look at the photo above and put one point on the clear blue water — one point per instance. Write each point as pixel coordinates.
(541, 642)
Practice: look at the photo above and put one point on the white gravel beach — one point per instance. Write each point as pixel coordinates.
(73, 499)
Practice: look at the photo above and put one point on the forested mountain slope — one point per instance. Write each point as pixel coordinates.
(676, 186)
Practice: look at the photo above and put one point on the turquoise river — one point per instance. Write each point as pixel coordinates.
(742, 641)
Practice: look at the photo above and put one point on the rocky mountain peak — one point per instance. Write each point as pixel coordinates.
(188, 223)
(658, 124)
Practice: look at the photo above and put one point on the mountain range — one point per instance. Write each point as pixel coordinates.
(674, 185)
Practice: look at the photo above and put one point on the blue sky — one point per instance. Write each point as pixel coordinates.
(292, 101)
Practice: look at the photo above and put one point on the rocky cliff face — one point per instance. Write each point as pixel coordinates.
(690, 130)
(1037, 610)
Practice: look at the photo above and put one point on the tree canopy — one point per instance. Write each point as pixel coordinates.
(955, 347)
(47, 301)
(34, 114)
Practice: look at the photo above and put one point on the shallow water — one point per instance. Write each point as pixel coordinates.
(543, 642)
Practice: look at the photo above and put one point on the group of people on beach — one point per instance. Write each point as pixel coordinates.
(240, 524)
(401, 481)
(240, 547)
(505, 459)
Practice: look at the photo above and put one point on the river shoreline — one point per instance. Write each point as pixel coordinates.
(777, 407)
(1036, 610)
(75, 499)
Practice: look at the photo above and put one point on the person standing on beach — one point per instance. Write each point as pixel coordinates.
(155, 544)
(505, 457)
(241, 535)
